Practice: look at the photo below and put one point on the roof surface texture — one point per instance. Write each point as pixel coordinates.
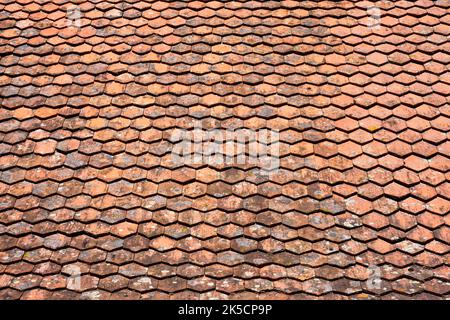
(93, 206)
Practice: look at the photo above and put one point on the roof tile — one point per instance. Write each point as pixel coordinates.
(89, 180)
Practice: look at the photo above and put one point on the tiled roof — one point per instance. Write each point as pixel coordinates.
(91, 92)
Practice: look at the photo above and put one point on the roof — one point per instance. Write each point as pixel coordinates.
(93, 205)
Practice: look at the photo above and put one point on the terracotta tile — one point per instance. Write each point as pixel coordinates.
(87, 166)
